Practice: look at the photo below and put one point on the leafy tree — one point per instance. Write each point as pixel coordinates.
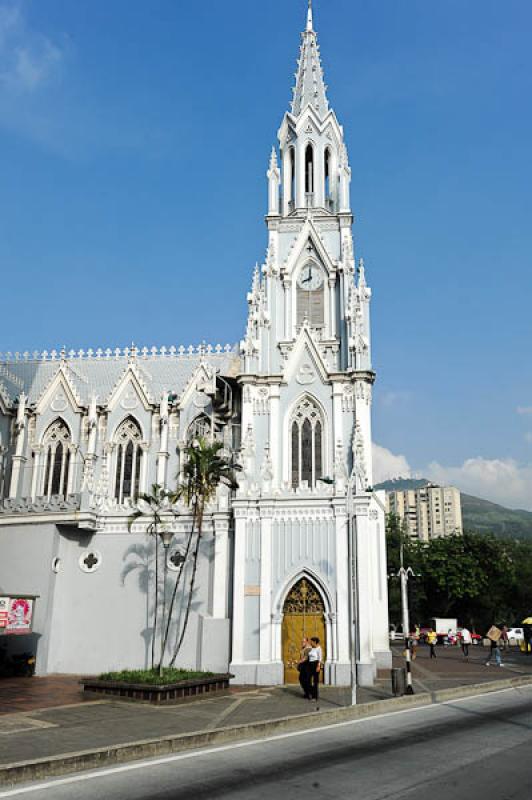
(154, 507)
(205, 470)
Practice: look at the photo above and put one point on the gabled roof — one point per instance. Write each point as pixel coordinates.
(89, 373)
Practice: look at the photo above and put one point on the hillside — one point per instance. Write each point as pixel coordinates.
(478, 515)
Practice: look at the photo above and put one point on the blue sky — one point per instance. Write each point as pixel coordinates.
(135, 138)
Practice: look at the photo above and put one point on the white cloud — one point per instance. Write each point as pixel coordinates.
(387, 465)
(502, 481)
(28, 59)
(393, 398)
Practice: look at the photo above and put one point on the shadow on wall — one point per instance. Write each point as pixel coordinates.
(139, 561)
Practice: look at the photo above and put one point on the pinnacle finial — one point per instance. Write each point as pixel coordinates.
(309, 16)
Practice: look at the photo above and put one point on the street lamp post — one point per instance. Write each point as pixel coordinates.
(404, 574)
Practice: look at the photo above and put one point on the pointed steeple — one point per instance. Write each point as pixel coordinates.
(310, 87)
(309, 16)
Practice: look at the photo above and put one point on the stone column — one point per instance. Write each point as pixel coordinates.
(275, 437)
(265, 583)
(366, 668)
(163, 454)
(18, 459)
(239, 576)
(221, 565)
(343, 621)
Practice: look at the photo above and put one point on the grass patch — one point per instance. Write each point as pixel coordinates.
(151, 676)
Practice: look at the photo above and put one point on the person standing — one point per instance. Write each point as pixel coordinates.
(494, 635)
(315, 660)
(465, 641)
(431, 641)
(303, 667)
(527, 636)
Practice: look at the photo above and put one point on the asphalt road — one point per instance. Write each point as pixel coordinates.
(471, 748)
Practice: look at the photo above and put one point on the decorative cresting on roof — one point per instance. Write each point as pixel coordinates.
(117, 352)
(310, 88)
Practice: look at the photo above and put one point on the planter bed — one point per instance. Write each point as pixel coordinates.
(157, 693)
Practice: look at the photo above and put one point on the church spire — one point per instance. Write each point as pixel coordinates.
(310, 88)
(309, 16)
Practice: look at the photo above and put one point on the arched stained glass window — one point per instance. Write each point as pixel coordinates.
(128, 461)
(57, 445)
(306, 443)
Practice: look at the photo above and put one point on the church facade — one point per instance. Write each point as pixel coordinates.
(299, 547)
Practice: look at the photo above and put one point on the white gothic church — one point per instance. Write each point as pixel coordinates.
(82, 433)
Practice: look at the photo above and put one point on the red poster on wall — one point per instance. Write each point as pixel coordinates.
(19, 615)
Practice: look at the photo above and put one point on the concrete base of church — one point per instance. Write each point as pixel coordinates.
(366, 673)
(255, 673)
(215, 634)
(383, 659)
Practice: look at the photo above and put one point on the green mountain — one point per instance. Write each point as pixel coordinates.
(478, 515)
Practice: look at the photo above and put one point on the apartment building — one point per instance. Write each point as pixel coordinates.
(430, 511)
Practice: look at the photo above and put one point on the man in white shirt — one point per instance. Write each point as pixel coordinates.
(315, 659)
(465, 641)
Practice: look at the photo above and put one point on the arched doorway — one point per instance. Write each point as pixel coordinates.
(303, 615)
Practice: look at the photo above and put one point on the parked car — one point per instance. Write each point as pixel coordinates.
(516, 634)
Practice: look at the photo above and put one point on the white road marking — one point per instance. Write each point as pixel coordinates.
(154, 762)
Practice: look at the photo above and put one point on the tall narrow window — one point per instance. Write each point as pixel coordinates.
(309, 169)
(292, 162)
(128, 461)
(306, 443)
(57, 444)
(327, 173)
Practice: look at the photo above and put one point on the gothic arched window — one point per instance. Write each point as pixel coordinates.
(57, 446)
(292, 179)
(309, 169)
(199, 428)
(128, 461)
(306, 442)
(327, 169)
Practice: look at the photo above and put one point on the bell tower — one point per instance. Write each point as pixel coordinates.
(306, 380)
(308, 277)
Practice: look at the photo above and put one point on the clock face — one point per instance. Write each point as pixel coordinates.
(310, 278)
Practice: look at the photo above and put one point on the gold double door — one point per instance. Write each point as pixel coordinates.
(303, 616)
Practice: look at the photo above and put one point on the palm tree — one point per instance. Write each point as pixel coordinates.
(205, 470)
(153, 507)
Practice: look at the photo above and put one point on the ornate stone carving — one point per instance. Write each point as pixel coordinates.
(129, 400)
(306, 374)
(59, 401)
(261, 400)
(359, 461)
(348, 398)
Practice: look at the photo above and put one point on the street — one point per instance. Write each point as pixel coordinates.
(470, 748)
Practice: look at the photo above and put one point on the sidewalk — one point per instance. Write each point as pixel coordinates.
(51, 720)
(450, 668)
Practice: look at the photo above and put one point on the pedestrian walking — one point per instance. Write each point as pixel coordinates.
(465, 641)
(494, 635)
(303, 667)
(315, 661)
(504, 637)
(431, 641)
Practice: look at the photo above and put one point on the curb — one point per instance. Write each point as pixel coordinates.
(26, 771)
